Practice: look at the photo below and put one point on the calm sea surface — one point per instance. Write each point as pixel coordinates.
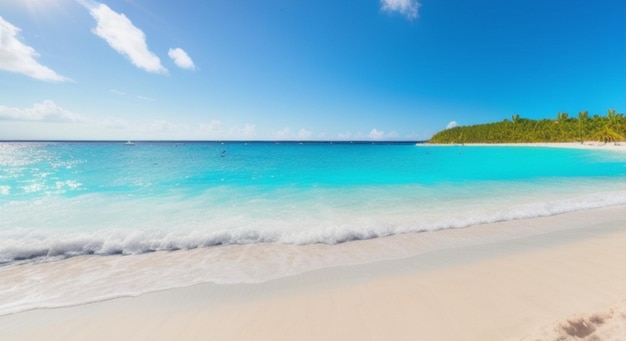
(60, 200)
(66, 199)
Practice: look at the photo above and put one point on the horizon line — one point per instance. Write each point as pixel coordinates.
(216, 141)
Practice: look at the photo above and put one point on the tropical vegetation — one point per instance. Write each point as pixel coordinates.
(608, 129)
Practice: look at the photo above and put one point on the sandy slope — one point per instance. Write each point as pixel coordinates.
(525, 287)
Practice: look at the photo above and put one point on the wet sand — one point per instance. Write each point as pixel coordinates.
(530, 287)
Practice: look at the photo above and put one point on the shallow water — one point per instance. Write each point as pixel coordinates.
(66, 199)
(60, 200)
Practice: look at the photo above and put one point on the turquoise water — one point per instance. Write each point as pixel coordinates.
(59, 200)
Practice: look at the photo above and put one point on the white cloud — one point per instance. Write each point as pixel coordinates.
(249, 130)
(181, 58)
(304, 134)
(145, 98)
(212, 130)
(124, 37)
(408, 8)
(451, 125)
(139, 97)
(211, 127)
(46, 111)
(17, 57)
(215, 130)
(376, 134)
(282, 134)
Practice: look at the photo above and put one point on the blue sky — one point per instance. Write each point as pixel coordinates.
(311, 70)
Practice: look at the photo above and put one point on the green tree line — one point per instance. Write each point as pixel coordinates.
(609, 128)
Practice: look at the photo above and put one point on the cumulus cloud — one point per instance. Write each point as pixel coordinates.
(18, 57)
(212, 130)
(124, 37)
(451, 125)
(181, 58)
(376, 134)
(249, 130)
(283, 133)
(304, 134)
(46, 111)
(408, 8)
(211, 127)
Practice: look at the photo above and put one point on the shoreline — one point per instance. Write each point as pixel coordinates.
(518, 285)
(587, 145)
(494, 281)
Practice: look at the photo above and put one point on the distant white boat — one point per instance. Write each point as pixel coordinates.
(129, 143)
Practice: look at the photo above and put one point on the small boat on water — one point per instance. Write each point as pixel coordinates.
(129, 143)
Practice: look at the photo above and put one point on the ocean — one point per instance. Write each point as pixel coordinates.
(87, 221)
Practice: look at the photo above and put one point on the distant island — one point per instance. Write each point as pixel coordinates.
(608, 129)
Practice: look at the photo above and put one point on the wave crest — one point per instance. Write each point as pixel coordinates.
(24, 245)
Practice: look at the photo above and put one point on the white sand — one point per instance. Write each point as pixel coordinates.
(593, 145)
(505, 290)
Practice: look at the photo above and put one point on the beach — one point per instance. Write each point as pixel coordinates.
(523, 288)
(509, 250)
(588, 145)
(340, 170)
(283, 170)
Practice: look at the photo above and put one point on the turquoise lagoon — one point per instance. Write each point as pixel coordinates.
(67, 199)
(111, 201)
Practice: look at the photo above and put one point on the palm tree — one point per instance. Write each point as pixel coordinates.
(561, 118)
(611, 114)
(612, 128)
(516, 121)
(608, 128)
(582, 118)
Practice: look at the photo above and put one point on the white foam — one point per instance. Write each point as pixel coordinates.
(80, 280)
(45, 234)
(262, 235)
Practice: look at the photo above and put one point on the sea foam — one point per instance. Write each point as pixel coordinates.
(298, 227)
(164, 215)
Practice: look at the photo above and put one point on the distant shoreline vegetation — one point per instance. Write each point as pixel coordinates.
(609, 129)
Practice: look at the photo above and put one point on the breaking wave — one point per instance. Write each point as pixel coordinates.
(25, 245)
